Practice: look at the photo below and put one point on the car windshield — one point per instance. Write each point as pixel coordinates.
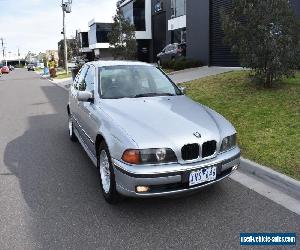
(134, 81)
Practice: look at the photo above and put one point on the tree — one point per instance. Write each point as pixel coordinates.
(266, 36)
(122, 38)
(73, 50)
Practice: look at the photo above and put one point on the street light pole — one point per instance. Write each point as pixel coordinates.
(19, 57)
(65, 40)
(3, 50)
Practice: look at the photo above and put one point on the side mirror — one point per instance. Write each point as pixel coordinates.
(183, 89)
(85, 96)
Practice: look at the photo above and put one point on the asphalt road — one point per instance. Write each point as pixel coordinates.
(50, 196)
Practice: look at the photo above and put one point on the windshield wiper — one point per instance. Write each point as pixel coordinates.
(153, 94)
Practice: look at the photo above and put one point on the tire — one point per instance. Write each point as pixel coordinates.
(107, 176)
(72, 135)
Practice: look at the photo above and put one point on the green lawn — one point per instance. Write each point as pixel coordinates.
(62, 75)
(267, 120)
(38, 70)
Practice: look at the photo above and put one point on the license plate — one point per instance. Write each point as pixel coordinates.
(203, 175)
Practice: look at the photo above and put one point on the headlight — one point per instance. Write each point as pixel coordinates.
(228, 142)
(149, 156)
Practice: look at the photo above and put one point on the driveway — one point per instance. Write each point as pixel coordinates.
(196, 73)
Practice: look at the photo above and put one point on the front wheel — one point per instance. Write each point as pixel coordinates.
(107, 177)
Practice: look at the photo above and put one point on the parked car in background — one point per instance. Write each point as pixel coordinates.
(170, 52)
(30, 67)
(146, 137)
(4, 70)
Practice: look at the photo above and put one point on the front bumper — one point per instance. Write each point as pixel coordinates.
(169, 179)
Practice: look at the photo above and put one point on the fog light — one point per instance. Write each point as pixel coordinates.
(142, 189)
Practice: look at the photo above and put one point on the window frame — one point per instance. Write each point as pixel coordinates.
(99, 71)
(84, 67)
(91, 66)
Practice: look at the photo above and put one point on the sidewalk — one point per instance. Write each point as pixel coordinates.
(196, 73)
(65, 83)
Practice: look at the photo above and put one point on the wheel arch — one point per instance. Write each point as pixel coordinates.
(99, 139)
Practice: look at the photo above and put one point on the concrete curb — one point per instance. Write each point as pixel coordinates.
(269, 175)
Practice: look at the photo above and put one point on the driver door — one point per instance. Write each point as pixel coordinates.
(87, 110)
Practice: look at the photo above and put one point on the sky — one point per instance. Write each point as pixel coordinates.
(36, 25)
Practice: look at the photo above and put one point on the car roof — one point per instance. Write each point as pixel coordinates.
(117, 63)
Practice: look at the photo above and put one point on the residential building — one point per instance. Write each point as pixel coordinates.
(138, 12)
(83, 37)
(194, 22)
(98, 39)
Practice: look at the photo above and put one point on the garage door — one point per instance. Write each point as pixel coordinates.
(220, 54)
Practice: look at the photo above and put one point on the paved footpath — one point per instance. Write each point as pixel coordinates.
(196, 73)
(50, 196)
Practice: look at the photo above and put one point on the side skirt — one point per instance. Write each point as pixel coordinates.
(85, 147)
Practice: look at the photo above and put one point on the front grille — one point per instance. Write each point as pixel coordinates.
(190, 151)
(208, 148)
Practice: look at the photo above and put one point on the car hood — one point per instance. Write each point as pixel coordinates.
(155, 122)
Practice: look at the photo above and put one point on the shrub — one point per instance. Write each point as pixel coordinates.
(266, 36)
(181, 63)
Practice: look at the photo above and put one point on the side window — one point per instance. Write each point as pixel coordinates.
(75, 82)
(90, 79)
(80, 80)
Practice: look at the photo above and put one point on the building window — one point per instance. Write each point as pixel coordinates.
(134, 12)
(178, 36)
(139, 15)
(84, 40)
(102, 36)
(178, 8)
(127, 12)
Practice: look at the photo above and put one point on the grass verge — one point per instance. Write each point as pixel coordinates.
(62, 75)
(267, 120)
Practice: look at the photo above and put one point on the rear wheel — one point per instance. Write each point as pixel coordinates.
(107, 177)
(72, 135)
